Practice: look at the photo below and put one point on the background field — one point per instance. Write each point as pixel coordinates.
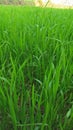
(36, 68)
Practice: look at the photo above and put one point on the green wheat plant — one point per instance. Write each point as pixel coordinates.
(36, 68)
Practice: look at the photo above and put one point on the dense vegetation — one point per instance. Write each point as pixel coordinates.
(36, 68)
(15, 1)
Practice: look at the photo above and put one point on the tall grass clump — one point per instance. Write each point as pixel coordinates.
(36, 68)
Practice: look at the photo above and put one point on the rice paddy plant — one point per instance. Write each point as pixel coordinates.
(36, 68)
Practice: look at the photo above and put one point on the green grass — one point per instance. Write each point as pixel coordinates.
(36, 68)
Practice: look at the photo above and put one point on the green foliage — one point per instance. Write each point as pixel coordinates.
(36, 68)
